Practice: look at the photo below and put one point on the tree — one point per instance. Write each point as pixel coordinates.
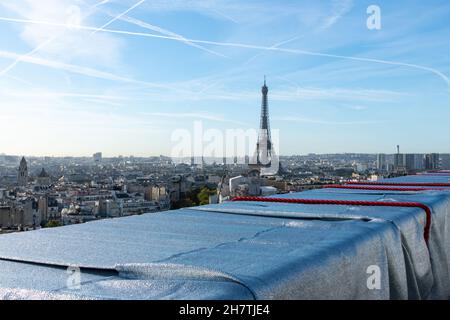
(182, 203)
(53, 224)
(195, 197)
(203, 196)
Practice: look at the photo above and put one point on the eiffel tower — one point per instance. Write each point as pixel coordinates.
(264, 154)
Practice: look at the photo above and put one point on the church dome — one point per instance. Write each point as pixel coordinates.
(43, 174)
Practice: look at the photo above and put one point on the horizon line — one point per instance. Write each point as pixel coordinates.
(213, 157)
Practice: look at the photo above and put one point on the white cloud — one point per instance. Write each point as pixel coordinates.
(67, 44)
(256, 47)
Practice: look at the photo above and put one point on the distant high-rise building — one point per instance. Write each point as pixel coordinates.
(409, 162)
(22, 178)
(381, 162)
(399, 162)
(413, 162)
(445, 161)
(432, 161)
(97, 157)
(418, 162)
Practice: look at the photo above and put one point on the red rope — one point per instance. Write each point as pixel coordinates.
(401, 184)
(338, 186)
(427, 210)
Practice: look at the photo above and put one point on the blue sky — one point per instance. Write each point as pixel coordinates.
(80, 76)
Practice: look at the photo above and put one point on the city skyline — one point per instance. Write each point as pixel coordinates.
(122, 79)
(106, 156)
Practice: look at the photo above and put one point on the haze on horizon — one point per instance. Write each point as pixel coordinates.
(82, 76)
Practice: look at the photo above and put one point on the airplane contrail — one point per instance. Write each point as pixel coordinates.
(100, 3)
(149, 26)
(118, 16)
(43, 44)
(247, 46)
(214, 80)
(146, 25)
(28, 54)
(224, 16)
(19, 80)
(195, 115)
(77, 69)
(317, 121)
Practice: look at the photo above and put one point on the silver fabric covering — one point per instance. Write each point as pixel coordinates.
(242, 250)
